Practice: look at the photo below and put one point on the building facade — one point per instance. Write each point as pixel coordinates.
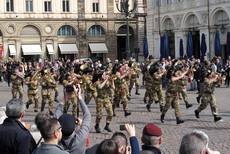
(177, 18)
(33, 29)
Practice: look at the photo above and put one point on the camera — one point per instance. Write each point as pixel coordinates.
(122, 127)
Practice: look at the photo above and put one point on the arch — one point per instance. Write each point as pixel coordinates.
(30, 30)
(220, 16)
(167, 23)
(66, 30)
(190, 20)
(122, 30)
(96, 30)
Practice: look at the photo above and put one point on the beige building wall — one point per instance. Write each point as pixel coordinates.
(80, 18)
(184, 16)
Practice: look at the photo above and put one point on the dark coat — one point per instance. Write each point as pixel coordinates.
(150, 150)
(15, 138)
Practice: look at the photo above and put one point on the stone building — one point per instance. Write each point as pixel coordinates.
(33, 29)
(177, 18)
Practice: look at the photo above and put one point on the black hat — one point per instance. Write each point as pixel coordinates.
(67, 122)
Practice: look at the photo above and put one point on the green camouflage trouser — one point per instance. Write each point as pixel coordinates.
(184, 95)
(208, 99)
(100, 105)
(137, 85)
(71, 99)
(156, 95)
(33, 98)
(17, 89)
(172, 100)
(47, 96)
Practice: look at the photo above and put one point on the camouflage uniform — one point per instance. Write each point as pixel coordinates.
(172, 99)
(182, 90)
(17, 87)
(103, 101)
(134, 79)
(47, 84)
(208, 97)
(121, 95)
(89, 89)
(148, 87)
(70, 97)
(32, 92)
(156, 92)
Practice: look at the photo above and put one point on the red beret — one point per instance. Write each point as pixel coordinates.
(152, 130)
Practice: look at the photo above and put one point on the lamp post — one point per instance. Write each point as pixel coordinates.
(124, 7)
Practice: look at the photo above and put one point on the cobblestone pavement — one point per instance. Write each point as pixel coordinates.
(172, 133)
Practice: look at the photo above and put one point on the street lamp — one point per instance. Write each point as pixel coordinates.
(125, 8)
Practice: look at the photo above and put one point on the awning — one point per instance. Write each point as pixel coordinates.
(31, 49)
(50, 49)
(98, 48)
(68, 48)
(12, 49)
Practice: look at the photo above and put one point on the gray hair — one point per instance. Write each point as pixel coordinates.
(194, 143)
(14, 108)
(150, 140)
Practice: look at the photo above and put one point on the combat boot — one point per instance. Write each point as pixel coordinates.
(148, 107)
(188, 105)
(198, 99)
(162, 118)
(197, 114)
(161, 108)
(179, 121)
(107, 128)
(217, 118)
(127, 113)
(27, 104)
(137, 92)
(97, 128)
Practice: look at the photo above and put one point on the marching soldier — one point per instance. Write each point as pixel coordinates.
(17, 82)
(33, 82)
(172, 95)
(48, 83)
(156, 87)
(69, 95)
(182, 84)
(121, 93)
(54, 75)
(103, 86)
(134, 71)
(208, 96)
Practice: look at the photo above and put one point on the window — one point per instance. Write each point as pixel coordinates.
(96, 7)
(9, 5)
(29, 5)
(65, 5)
(96, 30)
(47, 6)
(66, 31)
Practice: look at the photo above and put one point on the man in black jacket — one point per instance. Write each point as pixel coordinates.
(14, 137)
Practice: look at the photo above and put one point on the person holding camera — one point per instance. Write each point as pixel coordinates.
(74, 131)
(122, 142)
